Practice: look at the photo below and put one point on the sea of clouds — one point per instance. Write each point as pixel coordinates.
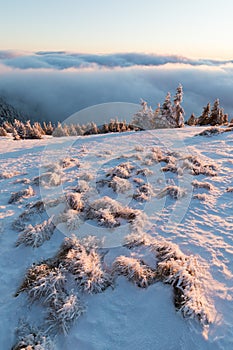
(54, 85)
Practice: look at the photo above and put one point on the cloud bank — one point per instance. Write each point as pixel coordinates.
(54, 85)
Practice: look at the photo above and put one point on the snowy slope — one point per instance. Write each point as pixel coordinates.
(199, 222)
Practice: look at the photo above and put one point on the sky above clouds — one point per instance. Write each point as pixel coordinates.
(200, 28)
(57, 57)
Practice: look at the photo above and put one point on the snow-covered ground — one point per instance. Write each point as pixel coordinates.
(176, 186)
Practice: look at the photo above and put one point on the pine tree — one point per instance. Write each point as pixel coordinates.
(60, 130)
(192, 121)
(144, 118)
(2, 131)
(72, 131)
(204, 118)
(167, 111)
(178, 109)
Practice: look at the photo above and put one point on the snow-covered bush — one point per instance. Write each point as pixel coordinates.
(85, 264)
(135, 270)
(173, 191)
(122, 170)
(7, 175)
(201, 196)
(188, 278)
(205, 185)
(24, 181)
(74, 201)
(68, 162)
(42, 282)
(48, 179)
(210, 132)
(72, 219)
(82, 186)
(143, 193)
(107, 212)
(229, 189)
(17, 196)
(32, 209)
(120, 185)
(86, 176)
(144, 172)
(31, 338)
(87, 270)
(137, 239)
(46, 288)
(35, 236)
(63, 312)
(197, 166)
(185, 273)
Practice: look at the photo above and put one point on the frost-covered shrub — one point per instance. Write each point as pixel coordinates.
(137, 239)
(82, 186)
(88, 271)
(144, 172)
(185, 273)
(7, 175)
(86, 176)
(198, 166)
(173, 191)
(63, 312)
(139, 148)
(17, 196)
(85, 264)
(210, 132)
(138, 181)
(32, 209)
(42, 282)
(143, 193)
(47, 288)
(156, 155)
(72, 219)
(31, 338)
(171, 164)
(135, 270)
(188, 278)
(107, 212)
(120, 185)
(205, 185)
(35, 236)
(68, 162)
(75, 201)
(201, 196)
(24, 181)
(122, 170)
(229, 189)
(48, 179)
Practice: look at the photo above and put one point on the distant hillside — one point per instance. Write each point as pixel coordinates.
(8, 112)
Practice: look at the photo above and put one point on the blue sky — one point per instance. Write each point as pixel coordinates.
(200, 28)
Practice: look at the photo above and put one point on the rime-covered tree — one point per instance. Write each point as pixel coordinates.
(144, 118)
(192, 121)
(177, 108)
(167, 111)
(60, 131)
(8, 126)
(2, 131)
(204, 118)
(48, 128)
